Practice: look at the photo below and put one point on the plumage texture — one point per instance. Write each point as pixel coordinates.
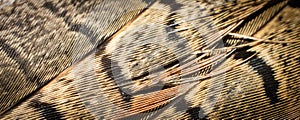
(150, 59)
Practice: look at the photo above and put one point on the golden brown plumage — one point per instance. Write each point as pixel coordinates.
(150, 59)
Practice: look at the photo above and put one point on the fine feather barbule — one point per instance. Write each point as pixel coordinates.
(40, 39)
(165, 59)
